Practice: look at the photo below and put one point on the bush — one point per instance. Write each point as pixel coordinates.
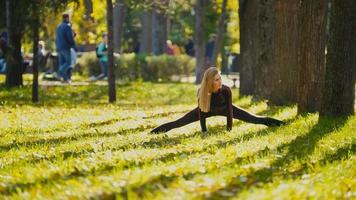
(87, 64)
(140, 66)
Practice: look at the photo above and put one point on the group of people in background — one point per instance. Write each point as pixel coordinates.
(67, 56)
(66, 52)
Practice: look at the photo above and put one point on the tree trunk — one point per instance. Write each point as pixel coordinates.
(220, 35)
(224, 60)
(3, 14)
(264, 65)
(199, 41)
(88, 4)
(35, 32)
(248, 45)
(284, 68)
(311, 51)
(119, 15)
(146, 37)
(159, 32)
(14, 61)
(339, 88)
(111, 74)
(8, 15)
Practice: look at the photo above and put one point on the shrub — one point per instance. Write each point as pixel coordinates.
(140, 66)
(87, 64)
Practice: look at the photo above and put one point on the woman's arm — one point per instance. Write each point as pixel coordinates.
(229, 109)
(201, 116)
(202, 120)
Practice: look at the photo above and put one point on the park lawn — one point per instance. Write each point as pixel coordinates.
(73, 145)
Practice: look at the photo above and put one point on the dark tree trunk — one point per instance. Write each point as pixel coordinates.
(284, 68)
(159, 32)
(224, 60)
(220, 35)
(14, 61)
(199, 41)
(248, 45)
(111, 74)
(311, 51)
(276, 73)
(35, 32)
(88, 4)
(265, 49)
(146, 37)
(119, 15)
(3, 14)
(8, 14)
(339, 88)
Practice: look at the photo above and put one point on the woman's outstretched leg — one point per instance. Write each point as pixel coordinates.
(241, 114)
(188, 118)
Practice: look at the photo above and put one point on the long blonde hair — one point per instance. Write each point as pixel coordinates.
(206, 88)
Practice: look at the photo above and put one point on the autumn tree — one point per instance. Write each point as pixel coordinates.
(248, 45)
(221, 29)
(15, 25)
(118, 20)
(338, 94)
(111, 74)
(264, 55)
(311, 51)
(159, 26)
(199, 40)
(284, 68)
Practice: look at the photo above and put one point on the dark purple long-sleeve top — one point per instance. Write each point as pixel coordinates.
(220, 104)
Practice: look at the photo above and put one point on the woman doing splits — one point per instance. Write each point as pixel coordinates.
(215, 99)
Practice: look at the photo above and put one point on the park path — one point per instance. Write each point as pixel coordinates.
(190, 79)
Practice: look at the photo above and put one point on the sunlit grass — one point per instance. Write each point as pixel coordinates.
(73, 145)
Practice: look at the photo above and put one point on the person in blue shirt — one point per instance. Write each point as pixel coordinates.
(64, 42)
(209, 48)
(102, 54)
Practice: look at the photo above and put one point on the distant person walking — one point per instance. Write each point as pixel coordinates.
(64, 42)
(209, 48)
(73, 57)
(102, 54)
(169, 48)
(189, 48)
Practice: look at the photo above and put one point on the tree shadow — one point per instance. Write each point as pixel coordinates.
(153, 143)
(298, 149)
(64, 139)
(340, 154)
(166, 180)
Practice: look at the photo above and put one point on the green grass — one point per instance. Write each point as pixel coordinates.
(73, 145)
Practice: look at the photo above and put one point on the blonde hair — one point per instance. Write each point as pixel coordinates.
(204, 93)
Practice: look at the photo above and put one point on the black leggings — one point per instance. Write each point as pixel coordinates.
(238, 113)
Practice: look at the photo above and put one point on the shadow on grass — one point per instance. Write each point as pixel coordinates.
(158, 142)
(298, 149)
(64, 139)
(164, 180)
(89, 95)
(340, 154)
(134, 164)
(152, 143)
